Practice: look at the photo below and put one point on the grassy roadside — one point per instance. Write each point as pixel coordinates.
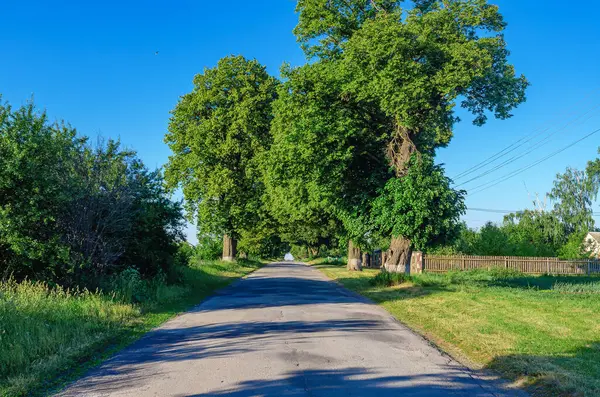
(51, 336)
(541, 332)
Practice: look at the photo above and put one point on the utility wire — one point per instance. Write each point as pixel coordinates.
(512, 147)
(495, 211)
(537, 145)
(490, 184)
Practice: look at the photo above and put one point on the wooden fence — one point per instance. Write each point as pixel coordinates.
(531, 265)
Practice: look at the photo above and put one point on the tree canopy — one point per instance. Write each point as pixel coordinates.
(216, 133)
(76, 214)
(343, 148)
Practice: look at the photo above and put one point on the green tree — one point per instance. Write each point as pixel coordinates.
(574, 192)
(37, 161)
(74, 214)
(421, 205)
(216, 133)
(325, 163)
(413, 65)
(324, 25)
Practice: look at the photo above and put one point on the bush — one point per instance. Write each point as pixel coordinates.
(73, 214)
(209, 248)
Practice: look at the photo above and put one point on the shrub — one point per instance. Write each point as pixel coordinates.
(73, 214)
(209, 248)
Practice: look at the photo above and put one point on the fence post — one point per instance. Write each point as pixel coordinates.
(506, 262)
(416, 262)
(548, 265)
(464, 262)
(588, 271)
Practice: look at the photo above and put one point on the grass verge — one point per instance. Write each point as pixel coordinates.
(49, 336)
(541, 332)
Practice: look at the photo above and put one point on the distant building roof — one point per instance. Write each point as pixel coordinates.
(595, 236)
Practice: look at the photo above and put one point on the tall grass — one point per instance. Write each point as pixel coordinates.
(46, 332)
(43, 330)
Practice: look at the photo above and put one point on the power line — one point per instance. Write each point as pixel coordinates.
(497, 211)
(491, 210)
(532, 148)
(490, 184)
(512, 147)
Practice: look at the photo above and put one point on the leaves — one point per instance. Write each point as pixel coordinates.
(420, 206)
(71, 213)
(216, 133)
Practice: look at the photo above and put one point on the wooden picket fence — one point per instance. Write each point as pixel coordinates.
(530, 265)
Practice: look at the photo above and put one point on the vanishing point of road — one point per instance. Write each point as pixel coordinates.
(285, 330)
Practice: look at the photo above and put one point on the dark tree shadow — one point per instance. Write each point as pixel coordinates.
(357, 382)
(137, 365)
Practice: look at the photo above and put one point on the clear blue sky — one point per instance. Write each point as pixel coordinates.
(94, 65)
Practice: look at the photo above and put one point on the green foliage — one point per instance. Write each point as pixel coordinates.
(415, 68)
(421, 206)
(323, 162)
(36, 162)
(324, 25)
(385, 80)
(185, 253)
(209, 247)
(574, 191)
(574, 248)
(216, 132)
(268, 245)
(73, 214)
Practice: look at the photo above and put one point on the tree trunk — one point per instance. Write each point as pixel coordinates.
(398, 260)
(314, 252)
(229, 248)
(354, 262)
(366, 259)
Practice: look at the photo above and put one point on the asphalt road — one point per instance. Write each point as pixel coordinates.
(286, 330)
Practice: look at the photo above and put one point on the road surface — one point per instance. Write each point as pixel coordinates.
(286, 330)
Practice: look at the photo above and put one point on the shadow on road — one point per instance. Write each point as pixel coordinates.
(355, 381)
(215, 335)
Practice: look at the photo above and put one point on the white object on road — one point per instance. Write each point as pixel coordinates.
(288, 257)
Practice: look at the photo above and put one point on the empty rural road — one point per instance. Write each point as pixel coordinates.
(286, 330)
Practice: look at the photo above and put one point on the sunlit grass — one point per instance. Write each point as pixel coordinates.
(49, 335)
(541, 332)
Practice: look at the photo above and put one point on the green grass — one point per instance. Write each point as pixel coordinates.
(541, 332)
(50, 336)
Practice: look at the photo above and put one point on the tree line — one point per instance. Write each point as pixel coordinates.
(75, 213)
(341, 150)
(546, 231)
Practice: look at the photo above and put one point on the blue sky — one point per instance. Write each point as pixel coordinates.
(94, 65)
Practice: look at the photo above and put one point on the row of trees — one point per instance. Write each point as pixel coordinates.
(342, 148)
(555, 231)
(74, 214)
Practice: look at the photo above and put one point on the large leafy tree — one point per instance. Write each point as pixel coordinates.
(574, 192)
(36, 186)
(414, 65)
(216, 133)
(422, 205)
(323, 165)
